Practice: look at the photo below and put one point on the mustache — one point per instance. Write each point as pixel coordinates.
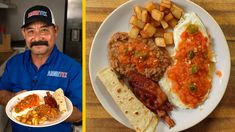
(36, 43)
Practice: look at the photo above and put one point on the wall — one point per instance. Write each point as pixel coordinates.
(14, 17)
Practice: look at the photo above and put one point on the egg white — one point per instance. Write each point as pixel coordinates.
(14, 114)
(165, 83)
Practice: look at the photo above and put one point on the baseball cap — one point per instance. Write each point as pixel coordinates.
(38, 13)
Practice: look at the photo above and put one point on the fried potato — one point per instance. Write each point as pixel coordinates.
(168, 37)
(159, 32)
(136, 22)
(144, 16)
(168, 17)
(162, 8)
(154, 19)
(160, 42)
(165, 5)
(150, 6)
(133, 33)
(164, 24)
(138, 12)
(176, 11)
(168, 2)
(155, 23)
(144, 34)
(149, 30)
(157, 15)
(173, 22)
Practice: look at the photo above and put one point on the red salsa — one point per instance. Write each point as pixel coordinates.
(28, 102)
(190, 75)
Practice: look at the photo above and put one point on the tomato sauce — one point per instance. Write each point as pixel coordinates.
(218, 73)
(190, 75)
(138, 54)
(28, 102)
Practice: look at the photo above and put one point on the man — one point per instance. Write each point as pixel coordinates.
(42, 67)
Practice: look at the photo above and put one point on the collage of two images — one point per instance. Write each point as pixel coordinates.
(117, 65)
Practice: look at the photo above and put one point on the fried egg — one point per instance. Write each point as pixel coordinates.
(165, 82)
(14, 114)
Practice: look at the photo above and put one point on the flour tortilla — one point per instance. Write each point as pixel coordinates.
(141, 118)
(60, 100)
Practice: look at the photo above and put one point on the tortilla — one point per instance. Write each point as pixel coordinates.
(141, 118)
(60, 100)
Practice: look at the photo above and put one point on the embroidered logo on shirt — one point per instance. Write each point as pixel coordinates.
(57, 74)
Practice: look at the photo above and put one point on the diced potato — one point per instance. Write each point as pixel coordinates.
(168, 17)
(176, 11)
(133, 33)
(164, 24)
(168, 36)
(149, 30)
(157, 15)
(160, 42)
(23, 120)
(138, 12)
(35, 121)
(166, 2)
(165, 5)
(162, 8)
(159, 32)
(155, 23)
(144, 34)
(18, 118)
(136, 22)
(150, 6)
(173, 22)
(29, 122)
(144, 16)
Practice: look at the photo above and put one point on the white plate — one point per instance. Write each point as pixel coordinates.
(41, 93)
(117, 21)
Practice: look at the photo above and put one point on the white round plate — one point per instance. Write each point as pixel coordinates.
(41, 93)
(118, 21)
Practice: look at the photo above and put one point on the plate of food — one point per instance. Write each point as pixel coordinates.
(159, 65)
(39, 108)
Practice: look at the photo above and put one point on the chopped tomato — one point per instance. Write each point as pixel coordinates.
(28, 102)
(190, 74)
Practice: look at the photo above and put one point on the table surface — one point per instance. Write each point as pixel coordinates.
(221, 119)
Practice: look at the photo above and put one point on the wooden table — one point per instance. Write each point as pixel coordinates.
(221, 119)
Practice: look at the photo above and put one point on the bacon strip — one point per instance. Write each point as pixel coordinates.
(150, 94)
(49, 100)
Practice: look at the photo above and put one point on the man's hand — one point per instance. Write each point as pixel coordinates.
(20, 92)
(5, 96)
(76, 115)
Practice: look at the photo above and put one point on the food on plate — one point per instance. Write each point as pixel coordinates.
(145, 70)
(31, 118)
(39, 115)
(49, 100)
(137, 54)
(188, 81)
(60, 100)
(152, 18)
(151, 95)
(28, 102)
(141, 118)
(47, 111)
(35, 109)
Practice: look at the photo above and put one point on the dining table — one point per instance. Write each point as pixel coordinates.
(222, 118)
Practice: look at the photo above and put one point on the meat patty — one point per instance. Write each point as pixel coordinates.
(139, 54)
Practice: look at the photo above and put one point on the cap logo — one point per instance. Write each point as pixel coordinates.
(37, 13)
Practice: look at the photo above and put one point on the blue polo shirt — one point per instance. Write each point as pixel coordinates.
(59, 71)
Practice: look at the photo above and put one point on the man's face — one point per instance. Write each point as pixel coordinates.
(40, 38)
